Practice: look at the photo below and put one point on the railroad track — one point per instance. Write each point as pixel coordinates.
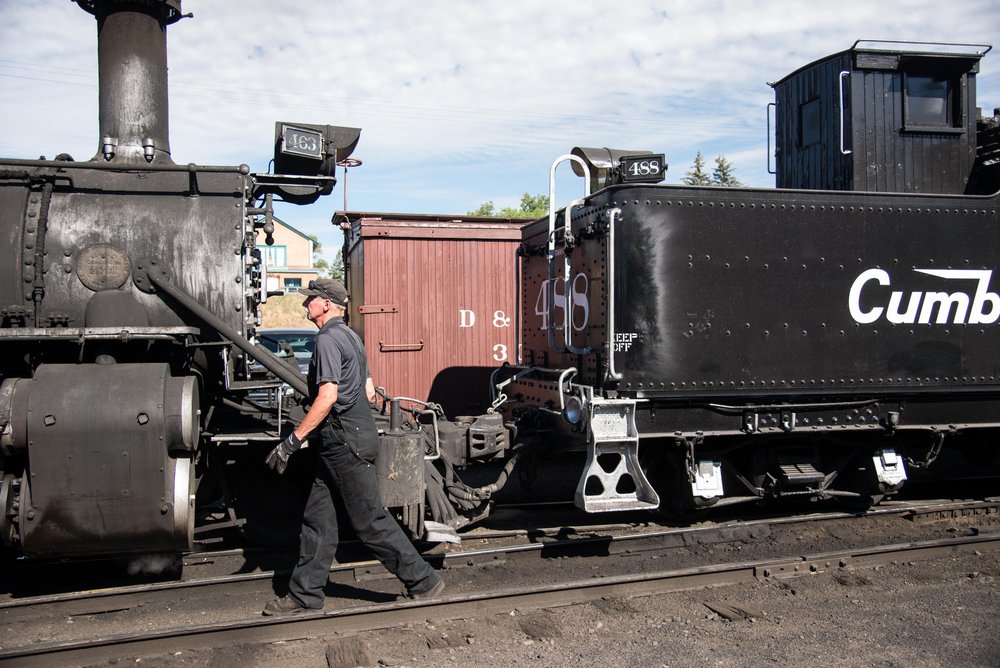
(466, 601)
(524, 541)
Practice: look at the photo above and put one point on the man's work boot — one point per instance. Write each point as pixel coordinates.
(285, 605)
(433, 592)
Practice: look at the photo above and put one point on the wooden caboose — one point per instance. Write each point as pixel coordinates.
(880, 117)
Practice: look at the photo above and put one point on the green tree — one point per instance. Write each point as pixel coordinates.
(336, 269)
(487, 209)
(723, 174)
(324, 268)
(532, 206)
(317, 246)
(696, 176)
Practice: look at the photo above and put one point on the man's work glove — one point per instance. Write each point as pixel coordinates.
(278, 459)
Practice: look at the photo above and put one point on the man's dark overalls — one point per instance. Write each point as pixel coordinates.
(347, 445)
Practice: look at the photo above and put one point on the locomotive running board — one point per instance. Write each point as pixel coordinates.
(612, 478)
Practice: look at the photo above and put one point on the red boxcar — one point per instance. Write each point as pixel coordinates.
(434, 298)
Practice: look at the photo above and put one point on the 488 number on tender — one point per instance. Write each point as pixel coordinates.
(579, 294)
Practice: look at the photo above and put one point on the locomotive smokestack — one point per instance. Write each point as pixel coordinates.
(132, 61)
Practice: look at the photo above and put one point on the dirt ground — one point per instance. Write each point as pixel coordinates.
(943, 612)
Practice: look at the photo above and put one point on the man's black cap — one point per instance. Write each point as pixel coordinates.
(327, 288)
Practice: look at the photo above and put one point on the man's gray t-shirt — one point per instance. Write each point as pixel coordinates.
(335, 360)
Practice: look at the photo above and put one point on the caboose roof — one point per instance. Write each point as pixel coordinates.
(885, 54)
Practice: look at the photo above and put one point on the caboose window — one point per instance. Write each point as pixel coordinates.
(929, 101)
(809, 123)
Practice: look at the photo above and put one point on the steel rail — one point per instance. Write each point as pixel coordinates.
(371, 569)
(372, 617)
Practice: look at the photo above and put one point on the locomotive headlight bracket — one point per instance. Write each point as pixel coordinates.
(305, 161)
(305, 149)
(614, 166)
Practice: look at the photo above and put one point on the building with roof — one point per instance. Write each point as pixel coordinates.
(288, 262)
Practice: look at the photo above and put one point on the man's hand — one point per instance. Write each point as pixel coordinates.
(278, 459)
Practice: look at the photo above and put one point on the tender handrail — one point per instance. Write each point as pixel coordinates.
(768, 133)
(551, 245)
(613, 215)
(843, 151)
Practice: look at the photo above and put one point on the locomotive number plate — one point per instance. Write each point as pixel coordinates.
(643, 168)
(299, 141)
(103, 267)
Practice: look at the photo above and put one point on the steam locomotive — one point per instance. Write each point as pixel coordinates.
(129, 293)
(701, 346)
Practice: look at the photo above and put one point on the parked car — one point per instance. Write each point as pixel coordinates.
(297, 342)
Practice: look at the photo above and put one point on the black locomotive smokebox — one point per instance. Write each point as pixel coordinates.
(115, 308)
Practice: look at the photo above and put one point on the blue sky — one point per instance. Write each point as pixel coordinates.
(460, 102)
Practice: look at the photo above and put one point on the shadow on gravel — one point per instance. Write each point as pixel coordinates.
(22, 578)
(340, 590)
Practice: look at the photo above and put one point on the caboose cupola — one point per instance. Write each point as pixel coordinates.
(880, 117)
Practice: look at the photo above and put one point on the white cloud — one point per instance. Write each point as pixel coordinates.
(461, 102)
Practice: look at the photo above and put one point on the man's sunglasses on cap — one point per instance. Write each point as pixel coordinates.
(313, 285)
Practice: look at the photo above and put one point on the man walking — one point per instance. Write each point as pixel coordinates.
(339, 424)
